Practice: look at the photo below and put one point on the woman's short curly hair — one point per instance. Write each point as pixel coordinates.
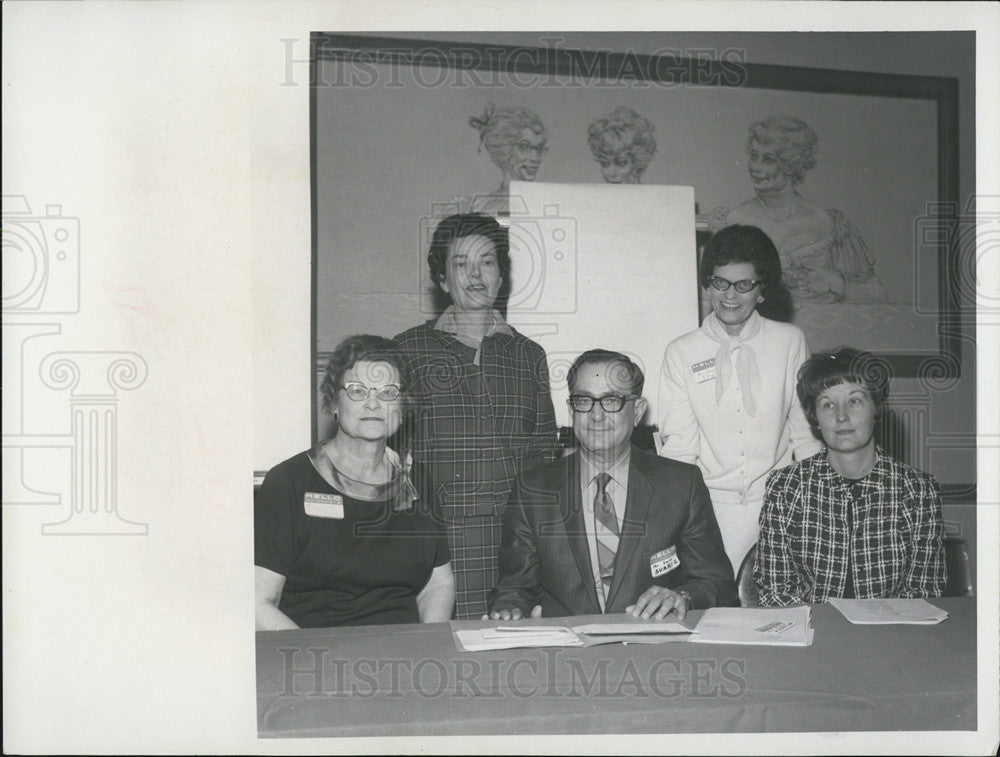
(623, 130)
(353, 350)
(842, 366)
(467, 225)
(500, 129)
(742, 244)
(797, 144)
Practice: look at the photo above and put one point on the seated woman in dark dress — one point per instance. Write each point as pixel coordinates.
(337, 538)
(850, 522)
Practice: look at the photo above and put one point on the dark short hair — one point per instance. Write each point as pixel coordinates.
(742, 244)
(843, 365)
(625, 370)
(467, 225)
(352, 351)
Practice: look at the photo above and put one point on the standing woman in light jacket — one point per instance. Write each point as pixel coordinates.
(483, 407)
(727, 390)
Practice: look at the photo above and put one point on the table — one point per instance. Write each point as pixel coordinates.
(411, 680)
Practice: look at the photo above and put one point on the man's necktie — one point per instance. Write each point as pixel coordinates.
(606, 530)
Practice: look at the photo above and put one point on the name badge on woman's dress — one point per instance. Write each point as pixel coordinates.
(704, 371)
(324, 505)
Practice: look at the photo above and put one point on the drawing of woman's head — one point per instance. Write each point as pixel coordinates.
(623, 143)
(515, 139)
(794, 143)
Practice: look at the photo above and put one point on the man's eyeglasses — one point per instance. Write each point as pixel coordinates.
(742, 286)
(526, 148)
(610, 403)
(360, 392)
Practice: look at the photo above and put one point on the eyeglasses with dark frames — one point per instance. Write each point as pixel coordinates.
(742, 286)
(610, 403)
(359, 392)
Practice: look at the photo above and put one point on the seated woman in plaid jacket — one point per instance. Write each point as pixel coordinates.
(850, 522)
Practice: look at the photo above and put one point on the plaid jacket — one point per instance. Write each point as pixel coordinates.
(474, 429)
(896, 548)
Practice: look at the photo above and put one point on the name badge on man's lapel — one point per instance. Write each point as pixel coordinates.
(664, 561)
(704, 371)
(324, 505)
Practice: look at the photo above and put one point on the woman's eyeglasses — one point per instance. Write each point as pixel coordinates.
(742, 286)
(526, 148)
(359, 392)
(610, 403)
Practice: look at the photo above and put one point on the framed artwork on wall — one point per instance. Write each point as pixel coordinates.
(853, 174)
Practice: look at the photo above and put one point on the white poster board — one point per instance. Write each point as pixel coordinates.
(602, 265)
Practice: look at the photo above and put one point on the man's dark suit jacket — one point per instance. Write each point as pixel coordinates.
(545, 559)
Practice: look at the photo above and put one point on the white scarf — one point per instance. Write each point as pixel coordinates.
(747, 373)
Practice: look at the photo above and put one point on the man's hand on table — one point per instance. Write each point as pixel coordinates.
(513, 614)
(657, 601)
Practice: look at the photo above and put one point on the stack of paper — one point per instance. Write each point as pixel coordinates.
(783, 626)
(636, 632)
(611, 629)
(870, 611)
(619, 628)
(515, 637)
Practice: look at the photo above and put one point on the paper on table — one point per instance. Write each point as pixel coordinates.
(634, 638)
(485, 639)
(783, 626)
(880, 611)
(600, 629)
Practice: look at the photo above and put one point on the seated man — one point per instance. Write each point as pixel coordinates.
(850, 522)
(609, 528)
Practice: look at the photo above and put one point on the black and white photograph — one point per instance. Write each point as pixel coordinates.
(611, 378)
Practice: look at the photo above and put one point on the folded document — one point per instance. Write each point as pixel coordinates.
(882, 611)
(783, 626)
(521, 634)
(515, 637)
(625, 628)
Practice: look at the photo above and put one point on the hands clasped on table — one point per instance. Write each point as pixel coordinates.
(514, 614)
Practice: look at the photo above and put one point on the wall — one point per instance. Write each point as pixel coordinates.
(396, 148)
(933, 422)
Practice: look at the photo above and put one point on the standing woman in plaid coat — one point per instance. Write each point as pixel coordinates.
(483, 408)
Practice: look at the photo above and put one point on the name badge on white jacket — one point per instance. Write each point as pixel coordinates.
(704, 371)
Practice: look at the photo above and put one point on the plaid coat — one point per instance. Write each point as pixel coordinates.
(895, 548)
(474, 428)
